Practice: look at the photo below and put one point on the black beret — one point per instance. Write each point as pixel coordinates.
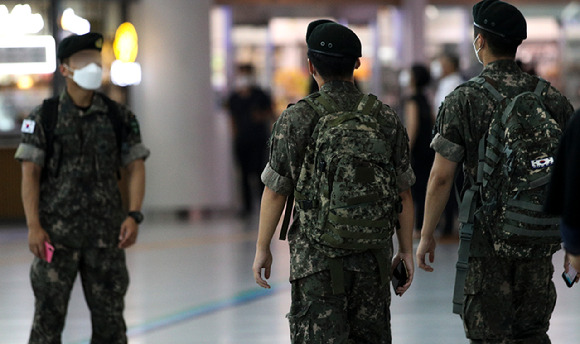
(76, 43)
(500, 18)
(330, 38)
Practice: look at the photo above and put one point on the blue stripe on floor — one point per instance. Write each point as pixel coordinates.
(239, 299)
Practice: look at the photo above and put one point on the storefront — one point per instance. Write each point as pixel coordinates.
(394, 34)
(190, 49)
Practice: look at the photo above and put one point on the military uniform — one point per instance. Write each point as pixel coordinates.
(80, 208)
(515, 305)
(317, 315)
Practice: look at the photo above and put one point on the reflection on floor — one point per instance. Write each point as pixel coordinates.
(192, 283)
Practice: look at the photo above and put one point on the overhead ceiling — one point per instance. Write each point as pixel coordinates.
(258, 12)
(376, 2)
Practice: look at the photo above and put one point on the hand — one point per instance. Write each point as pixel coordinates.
(574, 261)
(426, 246)
(129, 232)
(263, 260)
(408, 259)
(36, 238)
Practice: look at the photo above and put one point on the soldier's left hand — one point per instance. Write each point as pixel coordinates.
(408, 259)
(128, 234)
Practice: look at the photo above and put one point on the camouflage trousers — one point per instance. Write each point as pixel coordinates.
(509, 301)
(104, 279)
(360, 315)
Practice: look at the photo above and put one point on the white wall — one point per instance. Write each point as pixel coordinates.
(175, 106)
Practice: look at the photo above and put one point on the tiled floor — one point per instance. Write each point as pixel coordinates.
(192, 283)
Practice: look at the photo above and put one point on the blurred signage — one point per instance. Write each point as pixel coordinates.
(27, 55)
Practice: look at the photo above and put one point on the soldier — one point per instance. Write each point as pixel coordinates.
(71, 151)
(507, 299)
(332, 303)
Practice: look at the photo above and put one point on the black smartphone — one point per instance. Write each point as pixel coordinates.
(570, 276)
(400, 275)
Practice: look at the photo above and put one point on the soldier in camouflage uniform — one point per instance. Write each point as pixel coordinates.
(318, 314)
(507, 300)
(72, 200)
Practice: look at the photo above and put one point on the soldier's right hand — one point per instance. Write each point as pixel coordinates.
(426, 246)
(36, 238)
(262, 260)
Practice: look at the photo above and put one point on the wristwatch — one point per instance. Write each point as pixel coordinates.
(136, 215)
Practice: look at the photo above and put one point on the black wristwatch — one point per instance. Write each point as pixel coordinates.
(136, 215)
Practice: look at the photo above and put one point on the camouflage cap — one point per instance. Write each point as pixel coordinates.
(500, 18)
(330, 38)
(75, 43)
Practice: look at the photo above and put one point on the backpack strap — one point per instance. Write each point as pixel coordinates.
(119, 127)
(466, 214)
(466, 218)
(542, 84)
(121, 130)
(49, 120)
(369, 101)
(484, 82)
(287, 215)
(314, 101)
(48, 123)
(327, 102)
(321, 103)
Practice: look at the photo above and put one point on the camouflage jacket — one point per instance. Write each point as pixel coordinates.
(80, 202)
(465, 115)
(288, 142)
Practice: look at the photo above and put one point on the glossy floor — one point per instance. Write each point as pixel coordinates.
(192, 283)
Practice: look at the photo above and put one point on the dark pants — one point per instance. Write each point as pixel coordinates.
(105, 280)
(509, 301)
(361, 315)
(251, 157)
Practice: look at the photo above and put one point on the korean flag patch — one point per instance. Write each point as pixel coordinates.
(28, 126)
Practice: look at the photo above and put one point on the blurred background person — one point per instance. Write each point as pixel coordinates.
(419, 122)
(563, 197)
(251, 114)
(445, 69)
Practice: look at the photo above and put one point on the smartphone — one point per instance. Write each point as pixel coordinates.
(400, 275)
(48, 251)
(570, 276)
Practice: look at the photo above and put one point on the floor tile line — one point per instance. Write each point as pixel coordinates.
(198, 311)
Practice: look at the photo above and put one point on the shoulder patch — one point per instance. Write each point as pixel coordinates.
(28, 126)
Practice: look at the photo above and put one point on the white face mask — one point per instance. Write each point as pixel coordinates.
(243, 81)
(404, 78)
(90, 77)
(436, 69)
(477, 50)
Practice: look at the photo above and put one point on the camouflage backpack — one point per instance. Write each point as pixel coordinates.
(346, 194)
(520, 147)
(515, 162)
